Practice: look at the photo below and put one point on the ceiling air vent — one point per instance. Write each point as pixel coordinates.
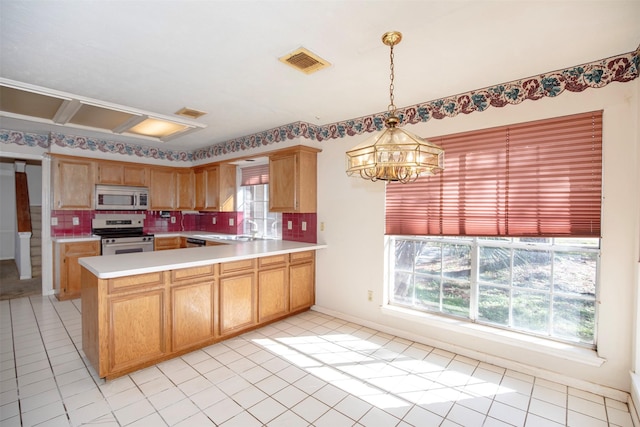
(190, 113)
(305, 61)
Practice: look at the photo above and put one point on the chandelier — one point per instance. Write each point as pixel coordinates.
(394, 154)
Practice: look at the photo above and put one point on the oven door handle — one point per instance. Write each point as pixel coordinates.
(114, 248)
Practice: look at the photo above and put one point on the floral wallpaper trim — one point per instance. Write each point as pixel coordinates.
(22, 138)
(113, 147)
(597, 74)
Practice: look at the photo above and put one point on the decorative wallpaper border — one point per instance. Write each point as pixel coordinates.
(70, 141)
(597, 74)
(22, 138)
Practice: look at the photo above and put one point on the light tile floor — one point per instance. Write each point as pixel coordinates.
(308, 370)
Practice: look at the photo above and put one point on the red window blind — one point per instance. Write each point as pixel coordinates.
(541, 178)
(254, 175)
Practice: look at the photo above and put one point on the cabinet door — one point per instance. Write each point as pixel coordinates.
(110, 173)
(192, 315)
(184, 189)
(215, 188)
(200, 194)
(301, 284)
(162, 189)
(237, 303)
(135, 175)
(73, 184)
(136, 329)
(283, 175)
(273, 292)
(70, 279)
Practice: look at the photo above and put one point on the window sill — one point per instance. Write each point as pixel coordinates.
(561, 350)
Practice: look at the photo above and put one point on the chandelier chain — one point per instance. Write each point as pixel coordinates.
(391, 107)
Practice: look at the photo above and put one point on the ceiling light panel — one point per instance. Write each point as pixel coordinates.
(98, 117)
(157, 128)
(25, 103)
(29, 102)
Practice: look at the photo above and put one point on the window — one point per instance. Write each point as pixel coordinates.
(254, 204)
(509, 233)
(543, 286)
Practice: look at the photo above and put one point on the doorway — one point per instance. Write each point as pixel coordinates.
(10, 284)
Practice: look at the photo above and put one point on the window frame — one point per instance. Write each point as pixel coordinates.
(474, 283)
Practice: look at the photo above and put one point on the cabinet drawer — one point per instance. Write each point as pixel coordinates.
(89, 248)
(128, 283)
(298, 257)
(237, 266)
(163, 243)
(192, 273)
(270, 261)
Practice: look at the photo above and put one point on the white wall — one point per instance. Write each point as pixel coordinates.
(7, 211)
(353, 213)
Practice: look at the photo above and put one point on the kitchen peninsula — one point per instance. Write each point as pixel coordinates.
(140, 309)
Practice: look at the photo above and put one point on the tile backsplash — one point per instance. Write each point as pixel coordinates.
(225, 222)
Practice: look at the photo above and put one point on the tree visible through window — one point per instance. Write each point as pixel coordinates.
(544, 286)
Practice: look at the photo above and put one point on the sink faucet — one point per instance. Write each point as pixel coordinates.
(274, 228)
(253, 230)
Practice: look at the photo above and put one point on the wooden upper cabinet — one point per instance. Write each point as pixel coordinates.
(215, 188)
(122, 174)
(293, 180)
(184, 189)
(162, 189)
(73, 183)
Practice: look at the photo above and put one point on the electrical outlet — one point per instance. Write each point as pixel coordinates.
(214, 220)
(304, 225)
(289, 225)
(231, 222)
(173, 220)
(76, 220)
(370, 295)
(54, 221)
(322, 226)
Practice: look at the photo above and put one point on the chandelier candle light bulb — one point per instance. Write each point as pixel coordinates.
(394, 154)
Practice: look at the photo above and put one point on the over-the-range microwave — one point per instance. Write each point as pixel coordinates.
(120, 198)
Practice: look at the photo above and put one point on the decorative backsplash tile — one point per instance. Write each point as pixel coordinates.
(308, 221)
(155, 222)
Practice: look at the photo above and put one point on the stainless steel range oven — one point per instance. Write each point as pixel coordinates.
(122, 233)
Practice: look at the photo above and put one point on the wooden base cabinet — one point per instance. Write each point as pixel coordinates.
(136, 329)
(302, 280)
(165, 243)
(237, 296)
(273, 288)
(66, 267)
(193, 307)
(192, 315)
(132, 322)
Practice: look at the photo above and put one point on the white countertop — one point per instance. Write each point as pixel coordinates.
(110, 266)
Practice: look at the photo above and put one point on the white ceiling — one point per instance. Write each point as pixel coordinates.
(222, 56)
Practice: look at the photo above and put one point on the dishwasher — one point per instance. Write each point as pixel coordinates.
(195, 243)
